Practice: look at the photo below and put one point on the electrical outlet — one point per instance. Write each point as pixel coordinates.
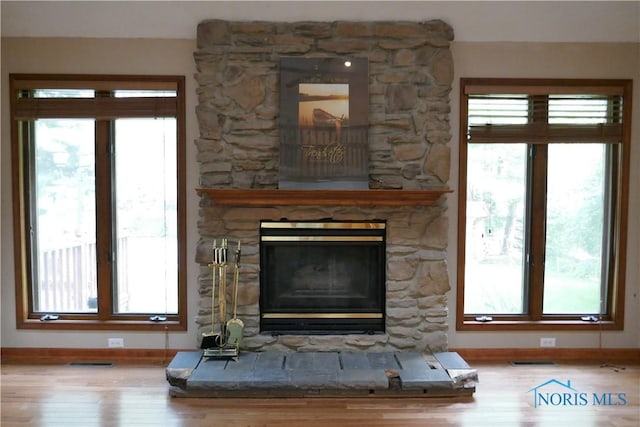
(548, 342)
(115, 342)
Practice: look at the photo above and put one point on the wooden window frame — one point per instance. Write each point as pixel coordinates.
(533, 318)
(104, 110)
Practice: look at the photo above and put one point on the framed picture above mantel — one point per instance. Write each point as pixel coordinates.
(324, 111)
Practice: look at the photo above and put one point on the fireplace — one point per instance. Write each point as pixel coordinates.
(409, 150)
(322, 277)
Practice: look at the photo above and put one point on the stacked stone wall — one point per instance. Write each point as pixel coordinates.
(410, 76)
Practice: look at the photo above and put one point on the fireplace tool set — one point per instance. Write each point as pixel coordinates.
(223, 341)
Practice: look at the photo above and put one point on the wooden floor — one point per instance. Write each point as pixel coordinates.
(135, 395)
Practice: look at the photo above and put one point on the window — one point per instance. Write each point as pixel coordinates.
(544, 169)
(98, 176)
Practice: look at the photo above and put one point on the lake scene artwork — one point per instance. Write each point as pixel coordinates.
(323, 105)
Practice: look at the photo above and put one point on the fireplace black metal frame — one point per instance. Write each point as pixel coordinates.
(358, 317)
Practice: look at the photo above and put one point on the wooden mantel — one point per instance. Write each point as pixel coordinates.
(268, 197)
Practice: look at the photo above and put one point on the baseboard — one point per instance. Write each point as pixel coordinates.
(29, 355)
(596, 355)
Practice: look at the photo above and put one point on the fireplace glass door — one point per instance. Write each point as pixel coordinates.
(322, 277)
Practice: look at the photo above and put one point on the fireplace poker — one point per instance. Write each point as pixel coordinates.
(222, 294)
(212, 339)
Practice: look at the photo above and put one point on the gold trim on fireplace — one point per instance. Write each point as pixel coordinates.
(321, 238)
(326, 225)
(322, 316)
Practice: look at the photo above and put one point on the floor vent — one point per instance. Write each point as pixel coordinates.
(92, 364)
(533, 363)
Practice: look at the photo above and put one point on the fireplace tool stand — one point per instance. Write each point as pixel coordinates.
(223, 341)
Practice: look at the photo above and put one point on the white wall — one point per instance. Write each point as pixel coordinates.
(476, 20)
(148, 56)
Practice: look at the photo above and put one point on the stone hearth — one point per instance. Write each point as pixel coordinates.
(303, 374)
(410, 75)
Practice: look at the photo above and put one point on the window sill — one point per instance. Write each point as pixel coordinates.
(541, 325)
(103, 325)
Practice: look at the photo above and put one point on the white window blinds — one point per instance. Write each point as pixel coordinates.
(535, 116)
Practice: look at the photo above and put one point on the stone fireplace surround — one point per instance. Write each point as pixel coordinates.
(410, 76)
